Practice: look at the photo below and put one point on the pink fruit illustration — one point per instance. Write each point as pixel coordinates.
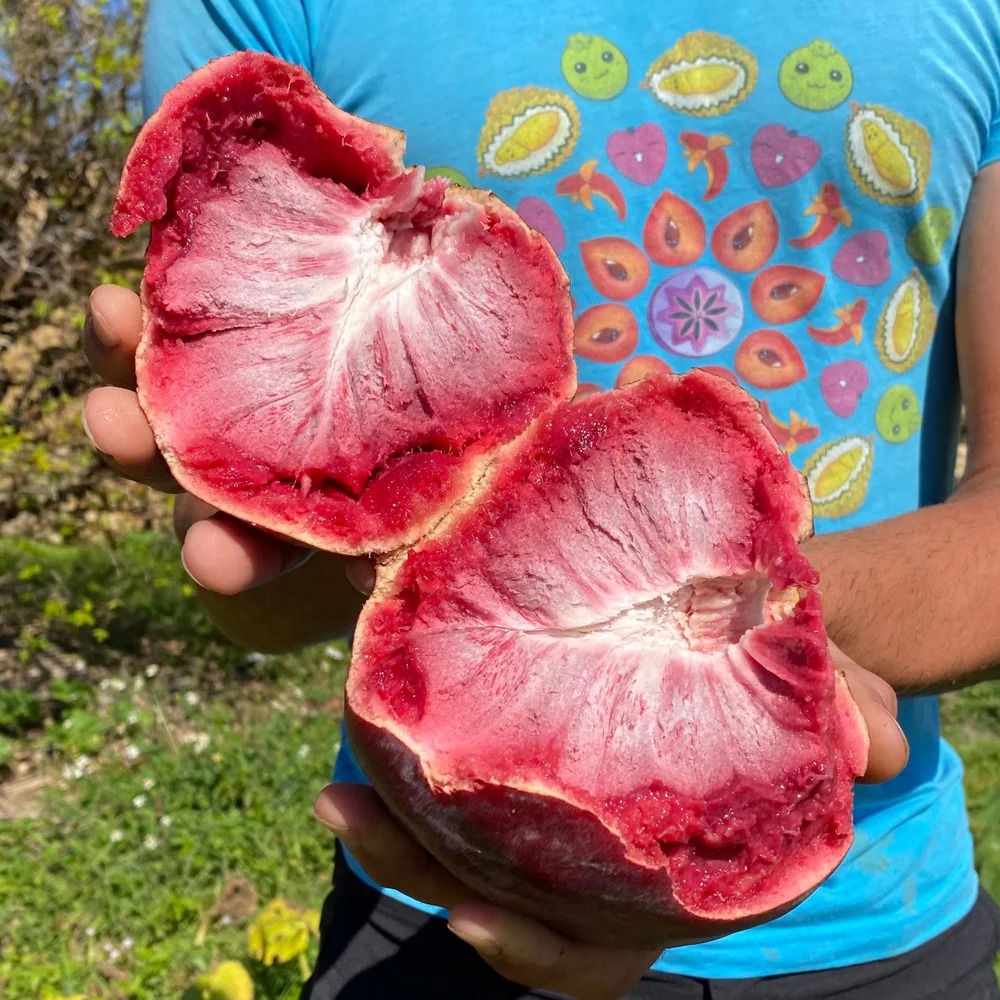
(639, 153)
(781, 157)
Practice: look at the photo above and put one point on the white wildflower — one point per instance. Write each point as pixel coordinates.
(191, 697)
(225, 920)
(126, 944)
(150, 842)
(334, 652)
(138, 683)
(114, 954)
(200, 742)
(139, 801)
(132, 719)
(304, 751)
(152, 670)
(132, 752)
(255, 658)
(148, 783)
(90, 932)
(116, 836)
(166, 821)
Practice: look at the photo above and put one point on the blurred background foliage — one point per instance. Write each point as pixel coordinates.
(69, 110)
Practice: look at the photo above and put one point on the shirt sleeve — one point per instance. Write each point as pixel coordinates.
(991, 148)
(182, 35)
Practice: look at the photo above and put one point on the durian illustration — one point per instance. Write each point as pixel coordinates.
(837, 475)
(906, 324)
(889, 156)
(704, 74)
(528, 130)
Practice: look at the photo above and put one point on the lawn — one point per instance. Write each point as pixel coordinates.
(159, 781)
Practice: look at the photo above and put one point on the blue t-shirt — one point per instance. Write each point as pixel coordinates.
(770, 189)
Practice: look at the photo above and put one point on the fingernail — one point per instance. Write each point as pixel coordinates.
(86, 427)
(330, 816)
(480, 938)
(99, 328)
(187, 570)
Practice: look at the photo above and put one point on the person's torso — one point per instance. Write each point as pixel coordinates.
(771, 190)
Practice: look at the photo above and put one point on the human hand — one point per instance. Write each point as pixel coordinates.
(524, 950)
(221, 553)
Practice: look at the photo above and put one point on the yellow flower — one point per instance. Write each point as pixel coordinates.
(75, 996)
(279, 934)
(227, 981)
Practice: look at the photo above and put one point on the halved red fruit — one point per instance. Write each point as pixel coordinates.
(767, 359)
(322, 352)
(640, 367)
(601, 689)
(674, 234)
(606, 332)
(784, 293)
(746, 239)
(617, 268)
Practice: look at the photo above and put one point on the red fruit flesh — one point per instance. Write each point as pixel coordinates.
(601, 690)
(347, 340)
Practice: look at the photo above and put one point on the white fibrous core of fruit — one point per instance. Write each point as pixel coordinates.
(332, 317)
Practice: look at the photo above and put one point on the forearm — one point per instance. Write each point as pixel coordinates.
(312, 603)
(916, 598)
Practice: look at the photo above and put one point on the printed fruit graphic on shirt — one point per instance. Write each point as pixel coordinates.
(789, 434)
(617, 268)
(746, 239)
(897, 416)
(588, 183)
(594, 67)
(695, 313)
(599, 591)
(849, 327)
(639, 154)
(927, 238)
(767, 359)
(704, 74)
(864, 259)
(710, 151)
(906, 324)
(674, 233)
(781, 157)
(543, 219)
(828, 214)
(783, 294)
(605, 332)
(640, 367)
(842, 384)
(889, 156)
(528, 130)
(816, 77)
(837, 475)
(450, 174)
(294, 316)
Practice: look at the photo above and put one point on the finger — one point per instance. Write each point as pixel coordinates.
(119, 430)
(881, 690)
(189, 510)
(386, 852)
(361, 573)
(888, 749)
(229, 556)
(111, 334)
(527, 952)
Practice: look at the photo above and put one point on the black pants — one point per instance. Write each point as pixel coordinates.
(374, 948)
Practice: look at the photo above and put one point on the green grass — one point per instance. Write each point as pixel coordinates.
(182, 775)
